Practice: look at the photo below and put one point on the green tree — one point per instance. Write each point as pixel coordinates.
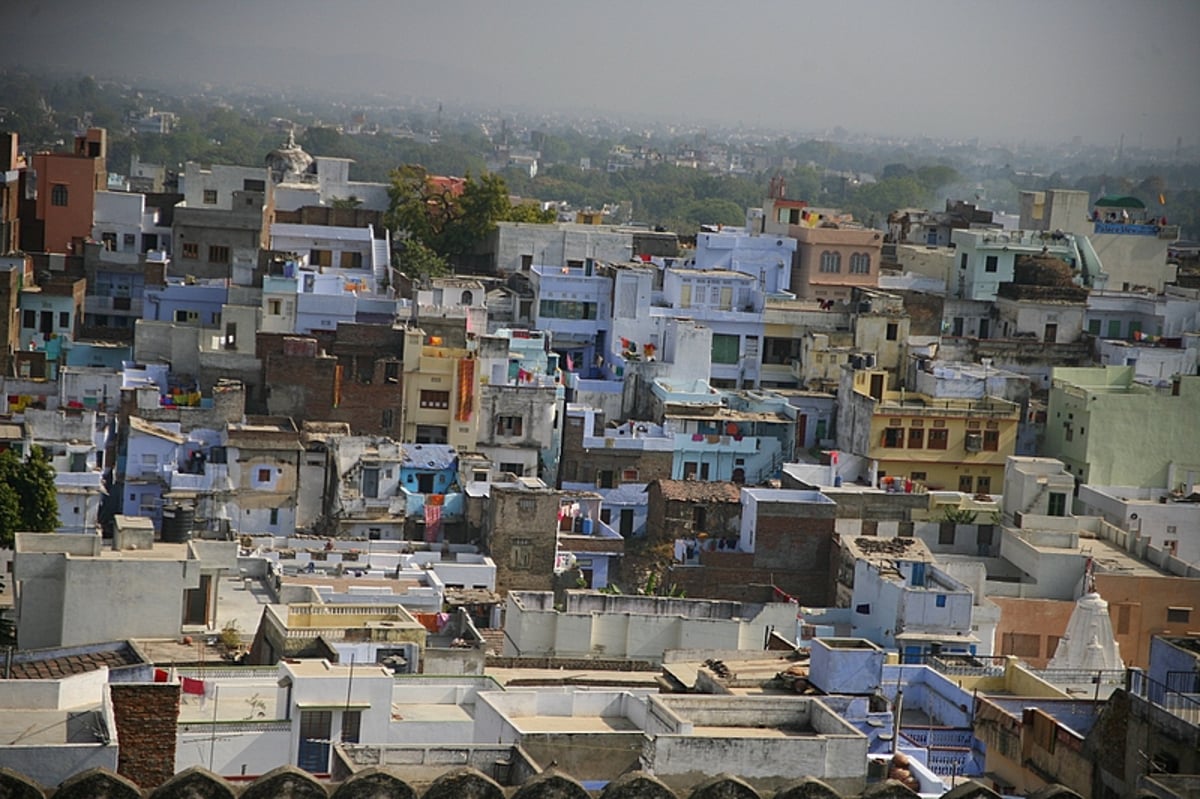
(418, 261)
(446, 220)
(28, 500)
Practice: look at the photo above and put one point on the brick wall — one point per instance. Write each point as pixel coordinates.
(146, 716)
(580, 464)
(302, 384)
(522, 538)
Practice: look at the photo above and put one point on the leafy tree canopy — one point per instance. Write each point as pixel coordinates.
(447, 217)
(28, 500)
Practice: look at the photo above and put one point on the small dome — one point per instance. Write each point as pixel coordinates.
(289, 161)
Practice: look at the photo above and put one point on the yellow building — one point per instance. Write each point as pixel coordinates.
(950, 444)
(441, 392)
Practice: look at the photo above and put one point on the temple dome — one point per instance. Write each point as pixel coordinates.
(289, 161)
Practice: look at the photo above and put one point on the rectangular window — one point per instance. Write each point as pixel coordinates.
(965, 482)
(58, 195)
(604, 478)
(991, 440)
(64, 319)
(439, 400)
(991, 263)
(725, 348)
(210, 196)
(699, 518)
(918, 476)
(946, 532)
(939, 439)
(29, 320)
(893, 330)
(1179, 615)
(274, 307)
(916, 438)
(351, 260)
(388, 419)
(249, 184)
(893, 437)
(320, 257)
(191, 250)
(962, 264)
(351, 725)
(130, 240)
(264, 475)
(187, 316)
(1056, 505)
(218, 254)
(983, 484)
(274, 516)
(509, 426)
(567, 309)
(109, 241)
(1094, 327)
(629, 475)
(391, 372)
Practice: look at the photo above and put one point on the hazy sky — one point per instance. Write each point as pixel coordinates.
(1008, 69)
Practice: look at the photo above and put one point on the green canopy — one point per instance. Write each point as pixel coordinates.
(1119, 201)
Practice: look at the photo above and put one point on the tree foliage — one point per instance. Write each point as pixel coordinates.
(418, 261)
(447, 217)
(28, 500)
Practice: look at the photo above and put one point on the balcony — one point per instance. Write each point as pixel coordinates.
(214, 477)
(452, 504)
(89, 479)
(130, 306)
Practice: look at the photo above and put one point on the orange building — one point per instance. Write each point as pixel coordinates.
(1143, 606)
(831, 260)
(66, 193)
(1029, 629)
(1140, 606)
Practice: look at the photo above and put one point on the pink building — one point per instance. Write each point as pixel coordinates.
(832, 260)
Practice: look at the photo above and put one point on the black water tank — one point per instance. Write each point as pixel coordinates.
(177, 523)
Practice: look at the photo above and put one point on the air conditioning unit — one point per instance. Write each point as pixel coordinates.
(974, 442)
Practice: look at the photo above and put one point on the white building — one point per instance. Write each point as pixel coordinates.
(74, 440)
(1166, 521)
(359, 255)
(123, 224)
(635, 627)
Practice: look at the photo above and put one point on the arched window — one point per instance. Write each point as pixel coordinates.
(467, 298)
(860, 263)
(831, 262)
(58, 194)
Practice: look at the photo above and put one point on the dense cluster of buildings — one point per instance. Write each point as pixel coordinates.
(802, 500)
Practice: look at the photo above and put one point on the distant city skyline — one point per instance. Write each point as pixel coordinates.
(1020, 70)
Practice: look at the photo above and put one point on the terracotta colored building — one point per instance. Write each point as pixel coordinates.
(66, 194)
(831, 261)
(1143, 606)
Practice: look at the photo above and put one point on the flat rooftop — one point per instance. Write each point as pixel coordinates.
(534, 724)
(753, 732)
(82, 725)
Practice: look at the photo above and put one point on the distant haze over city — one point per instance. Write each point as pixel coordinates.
(1017, 70)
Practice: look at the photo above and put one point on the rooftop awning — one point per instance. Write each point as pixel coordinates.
(1119, 201)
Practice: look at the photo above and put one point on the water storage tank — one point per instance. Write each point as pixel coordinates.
(177, 523)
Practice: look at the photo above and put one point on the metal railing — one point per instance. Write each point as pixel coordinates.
(1178, 703)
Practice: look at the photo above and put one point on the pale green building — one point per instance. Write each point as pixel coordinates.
(1111, 431)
